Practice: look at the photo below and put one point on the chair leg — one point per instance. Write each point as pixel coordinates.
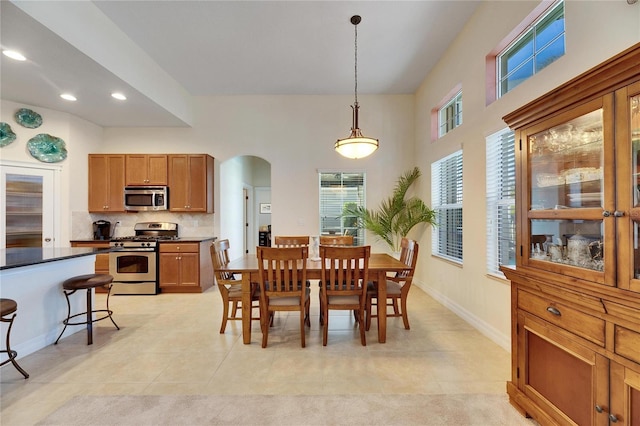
(307, 307)
(368, 313)
(363, 337)
(234, 309)
(265, 324)
(11, 353)
(225, 315)
(405, 316)
(66, 321)
(395, 307)
(325, 328)
(302, 330)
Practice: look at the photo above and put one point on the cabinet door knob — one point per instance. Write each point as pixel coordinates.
(613, 418)
(618, 213)
(554, 310)
(599, 409)
(606, 213)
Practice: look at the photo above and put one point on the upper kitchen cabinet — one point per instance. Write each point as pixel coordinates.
(191, 183)
(106, 183)
(146, 169)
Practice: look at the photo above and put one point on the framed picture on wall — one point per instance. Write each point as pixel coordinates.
(265, 208)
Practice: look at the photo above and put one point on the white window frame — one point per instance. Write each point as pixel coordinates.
(446, 200)
(450, 115)
(331, 201)
(501, 201)
(530, 32)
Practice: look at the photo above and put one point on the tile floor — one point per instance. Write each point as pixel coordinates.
(170, 344)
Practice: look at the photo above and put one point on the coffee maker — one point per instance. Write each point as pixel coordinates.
(101, 230)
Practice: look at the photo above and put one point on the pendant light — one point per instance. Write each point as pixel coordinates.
(356, 145)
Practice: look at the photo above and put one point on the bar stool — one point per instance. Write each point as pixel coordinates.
(87, 282)
(8, 307)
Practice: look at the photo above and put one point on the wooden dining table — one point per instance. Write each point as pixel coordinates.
(379, 265)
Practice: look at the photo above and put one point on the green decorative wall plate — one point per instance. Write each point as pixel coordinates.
(6, 134)
(28, 118)
(47, 148)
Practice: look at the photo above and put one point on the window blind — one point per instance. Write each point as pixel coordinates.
(501, 200)
(446, 200)
(337, 190)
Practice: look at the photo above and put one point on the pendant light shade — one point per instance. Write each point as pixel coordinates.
(356, 145)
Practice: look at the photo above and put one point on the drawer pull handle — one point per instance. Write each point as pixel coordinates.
(554, 311)
(599, 409)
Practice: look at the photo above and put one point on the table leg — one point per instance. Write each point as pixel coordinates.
(246, 308)
(382, 307)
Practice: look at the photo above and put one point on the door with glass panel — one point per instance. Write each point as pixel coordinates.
(27, 197)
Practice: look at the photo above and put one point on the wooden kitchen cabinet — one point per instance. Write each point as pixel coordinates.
(185, 267)
(106, 183)
(575, 289)
(191, 183)
(146, 169)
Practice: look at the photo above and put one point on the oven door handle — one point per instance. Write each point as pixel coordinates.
(132, 249)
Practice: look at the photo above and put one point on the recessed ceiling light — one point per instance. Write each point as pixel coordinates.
(14, 55)
(119, 96)
(68, 97)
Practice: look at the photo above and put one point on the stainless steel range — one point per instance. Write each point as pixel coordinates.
(135, 266)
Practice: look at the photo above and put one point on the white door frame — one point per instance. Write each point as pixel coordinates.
(50, 201)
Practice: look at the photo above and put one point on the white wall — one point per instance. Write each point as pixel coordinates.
(596, 30)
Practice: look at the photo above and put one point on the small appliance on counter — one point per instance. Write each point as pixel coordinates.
(102, 230)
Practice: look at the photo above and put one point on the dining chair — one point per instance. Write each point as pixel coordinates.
(336, 240)
(291, 241)
(230, 288)
(280, 271)
(344, 277)
(397, 286)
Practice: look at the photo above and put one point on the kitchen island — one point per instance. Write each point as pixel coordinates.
(33, 276)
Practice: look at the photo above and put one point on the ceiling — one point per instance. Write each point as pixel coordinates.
(162, 53)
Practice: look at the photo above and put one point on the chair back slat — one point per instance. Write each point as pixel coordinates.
(291, 241)
(336, 240)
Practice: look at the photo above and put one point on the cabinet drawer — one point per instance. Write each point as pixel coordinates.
(572, 320)
(179, 247)
(627, 343)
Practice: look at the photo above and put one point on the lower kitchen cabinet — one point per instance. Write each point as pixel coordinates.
(102, 260)
(185, 267)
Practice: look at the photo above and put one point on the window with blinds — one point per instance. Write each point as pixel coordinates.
(501, 201)
(446, 200)
(338, 190)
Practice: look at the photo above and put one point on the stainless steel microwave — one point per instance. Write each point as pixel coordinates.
(146, 198)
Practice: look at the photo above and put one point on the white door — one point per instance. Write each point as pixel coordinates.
(27, 197)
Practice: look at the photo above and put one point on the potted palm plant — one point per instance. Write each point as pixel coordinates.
(396, 215)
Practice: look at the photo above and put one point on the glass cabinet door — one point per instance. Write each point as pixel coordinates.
(565, 163)
(627, 212)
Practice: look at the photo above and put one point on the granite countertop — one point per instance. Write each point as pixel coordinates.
(28, 256)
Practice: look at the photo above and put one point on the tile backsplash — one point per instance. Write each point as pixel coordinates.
(189, 225)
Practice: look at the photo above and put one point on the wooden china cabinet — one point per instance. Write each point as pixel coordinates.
(575, 290)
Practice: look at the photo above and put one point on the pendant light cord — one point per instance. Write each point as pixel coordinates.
(356, 62)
